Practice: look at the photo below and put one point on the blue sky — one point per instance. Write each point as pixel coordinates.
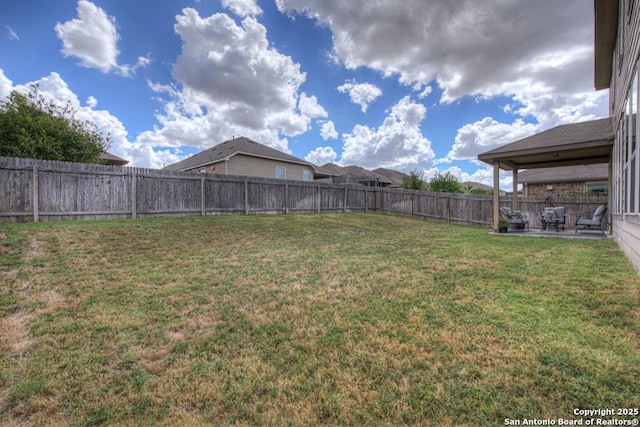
(417, 84)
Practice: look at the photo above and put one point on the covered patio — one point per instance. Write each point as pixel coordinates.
(584, 143)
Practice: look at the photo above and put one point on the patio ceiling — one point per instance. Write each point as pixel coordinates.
(567, 145)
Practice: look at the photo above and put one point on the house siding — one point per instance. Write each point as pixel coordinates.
(626, 233)
(625, 188)
(218, 168)
(264, 168)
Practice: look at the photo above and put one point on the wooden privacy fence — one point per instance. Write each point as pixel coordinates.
(42, 190)
(48, 190)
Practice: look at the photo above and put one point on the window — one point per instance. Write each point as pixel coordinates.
(307, 176)
(616, 175)
(633, 151)
(597, 189)
(281, 172)
(626, 159)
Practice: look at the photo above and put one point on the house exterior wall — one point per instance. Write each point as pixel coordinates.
(218, 168)
(264, 168)
(624, 94)
(559, 188)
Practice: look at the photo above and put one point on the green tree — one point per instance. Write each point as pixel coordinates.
(446, 183)
(34, 128)
(414, 181)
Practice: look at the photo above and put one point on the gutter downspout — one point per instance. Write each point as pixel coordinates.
(514, 199)
(496, 196)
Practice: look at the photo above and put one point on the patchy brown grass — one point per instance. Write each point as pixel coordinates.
(355, 319)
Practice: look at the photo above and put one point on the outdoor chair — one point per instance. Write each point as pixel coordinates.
(595, 223)
(555, 217)
(516, 219)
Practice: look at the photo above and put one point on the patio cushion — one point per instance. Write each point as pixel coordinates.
(599, 213)
(554, 213)
(596, 221)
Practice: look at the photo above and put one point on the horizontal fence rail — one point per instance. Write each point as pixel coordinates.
(43, 190)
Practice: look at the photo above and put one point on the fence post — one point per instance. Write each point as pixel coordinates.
(203, 210)
(411, 204)
(246, 197)
(134, 190)
(375, 200)
(344, 206)
(318, 188)
(366, 202)
(286, 197)
(448, 208)
(34, 195)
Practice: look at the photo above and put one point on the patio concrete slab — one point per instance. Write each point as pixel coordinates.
(563, 234)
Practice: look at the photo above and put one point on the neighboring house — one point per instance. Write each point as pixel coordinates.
(396, 178)
(567, 180)
(111, 159)
(617, 48)
(244, 157)
(355, 175)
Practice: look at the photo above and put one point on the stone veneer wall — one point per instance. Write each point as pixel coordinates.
(540, 190)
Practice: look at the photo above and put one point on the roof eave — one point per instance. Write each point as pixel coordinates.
(244, 153)
(606, 31)
(590, 152)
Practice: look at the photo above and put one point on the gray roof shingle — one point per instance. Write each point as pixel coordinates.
(230, 148)
(397, 178)
(357, 172)
(598, 172)
(574, 133)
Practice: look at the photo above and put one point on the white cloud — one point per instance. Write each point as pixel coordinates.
(328, 130)
(93, 38)
(242, 8)
(425, 92)
(308, 106)
(6, 85)
(397, 144)
(91, 102)
(484, 176)
(231, 82)
(534, 52)
(487, 134)
(12, 34)
(362, 94)
(321, 155)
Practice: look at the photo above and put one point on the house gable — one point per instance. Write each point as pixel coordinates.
(242, 156)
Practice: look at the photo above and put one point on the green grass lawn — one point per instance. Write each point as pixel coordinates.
(345, 319)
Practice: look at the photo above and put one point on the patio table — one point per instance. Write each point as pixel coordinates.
(555, 223)
(553, 217)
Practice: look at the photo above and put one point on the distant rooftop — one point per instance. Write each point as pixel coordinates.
(112, 159)
(231, 148)
(599, 172)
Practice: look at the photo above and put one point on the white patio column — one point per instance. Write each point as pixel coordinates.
(514, 198)
(496, 196)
